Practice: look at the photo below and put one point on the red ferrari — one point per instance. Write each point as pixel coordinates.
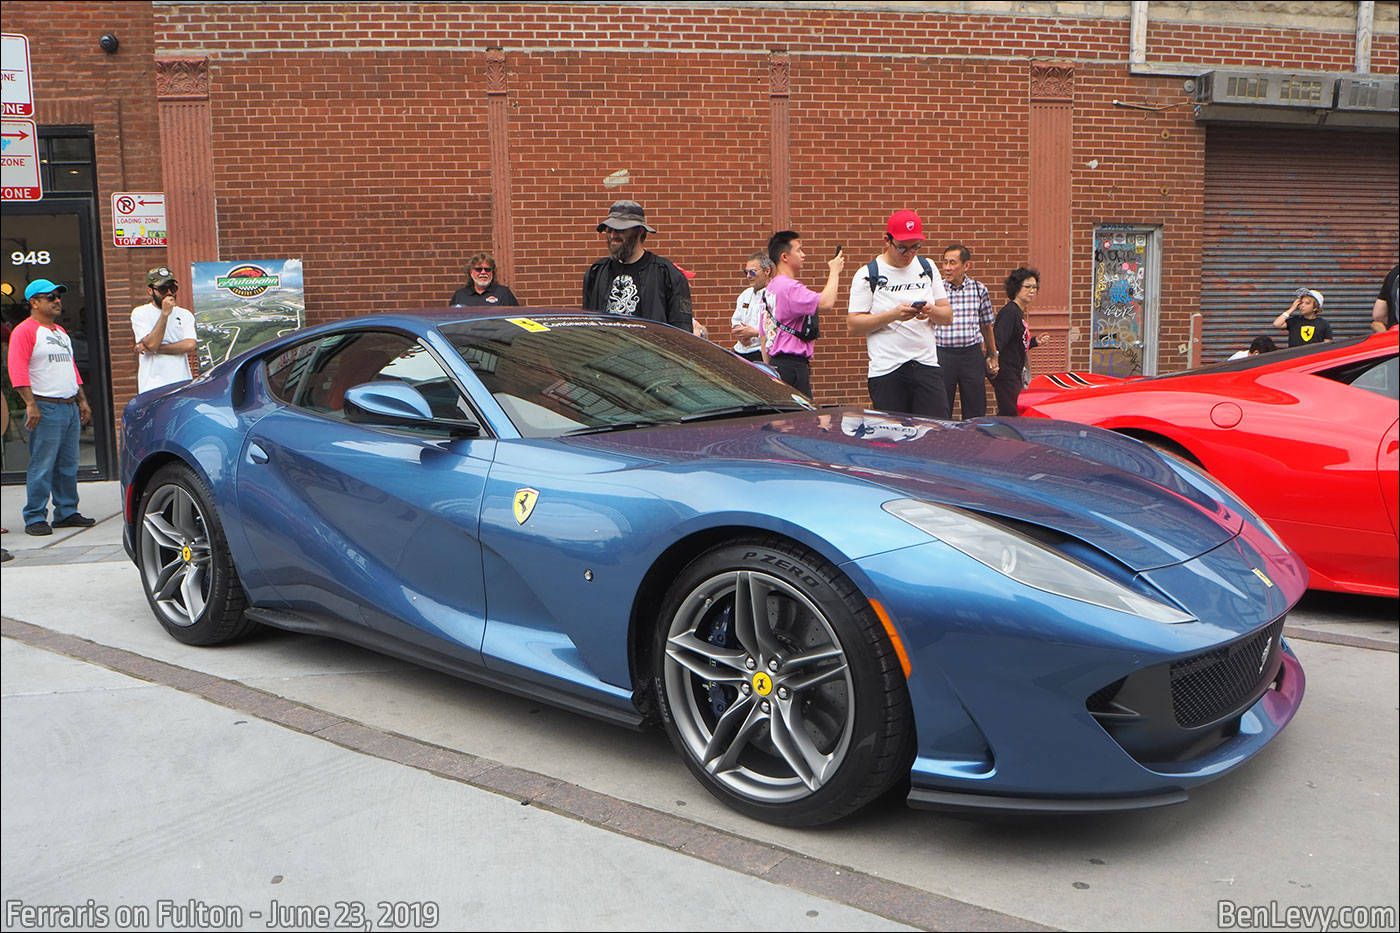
(1305, 436)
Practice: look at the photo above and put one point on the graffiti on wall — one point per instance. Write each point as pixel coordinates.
(1118, 309)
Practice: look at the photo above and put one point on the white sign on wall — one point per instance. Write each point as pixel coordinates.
(19, 161)
(17, 87)
(138, 219)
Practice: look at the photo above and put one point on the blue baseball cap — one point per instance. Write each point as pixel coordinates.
(42, 287)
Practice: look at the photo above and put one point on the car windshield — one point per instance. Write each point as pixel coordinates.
(556, 375)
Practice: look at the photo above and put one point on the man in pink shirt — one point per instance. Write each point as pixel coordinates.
(792, 303)
(43, 372)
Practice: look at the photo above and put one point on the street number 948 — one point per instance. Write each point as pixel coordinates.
(31, 258)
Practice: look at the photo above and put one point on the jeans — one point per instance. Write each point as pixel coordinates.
(53, 463)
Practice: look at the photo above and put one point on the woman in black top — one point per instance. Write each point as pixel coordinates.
(1014, 338)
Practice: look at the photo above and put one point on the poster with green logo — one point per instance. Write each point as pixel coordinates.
(238, 305)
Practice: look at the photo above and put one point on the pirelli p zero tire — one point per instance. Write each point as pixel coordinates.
(186, 570)
(779, 686)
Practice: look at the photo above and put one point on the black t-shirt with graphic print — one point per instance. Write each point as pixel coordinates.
(651, 287)
(1303, 331)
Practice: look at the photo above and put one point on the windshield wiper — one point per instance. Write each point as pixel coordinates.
(615, 426)
(736, 411)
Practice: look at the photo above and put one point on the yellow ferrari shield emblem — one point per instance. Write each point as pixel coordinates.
(762, 684)
(1306, 333)
(186, 554)
(525, 499)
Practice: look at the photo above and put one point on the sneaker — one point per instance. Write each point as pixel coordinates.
(5, 555)
(38, 528)
(75, 521)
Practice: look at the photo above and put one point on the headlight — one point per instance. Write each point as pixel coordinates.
(1028, 561)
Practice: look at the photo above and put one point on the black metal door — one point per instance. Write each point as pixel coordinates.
(56, 239)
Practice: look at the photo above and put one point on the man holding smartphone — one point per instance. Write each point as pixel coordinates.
(791, 304)
(896, 299)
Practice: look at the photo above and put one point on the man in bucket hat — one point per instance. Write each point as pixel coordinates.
(43, 372)
(631, 279)
(165, 334)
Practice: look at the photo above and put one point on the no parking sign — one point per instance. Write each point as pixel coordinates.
(138, 219)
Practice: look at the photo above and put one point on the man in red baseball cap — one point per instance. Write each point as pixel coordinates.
(895, 301)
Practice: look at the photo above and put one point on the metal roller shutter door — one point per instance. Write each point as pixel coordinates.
(1288, 208)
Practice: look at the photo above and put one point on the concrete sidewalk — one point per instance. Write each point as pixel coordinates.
(127, 794)
(102, 541)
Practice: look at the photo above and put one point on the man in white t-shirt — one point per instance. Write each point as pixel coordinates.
(895, 301)
(164, 332)
(746, 326)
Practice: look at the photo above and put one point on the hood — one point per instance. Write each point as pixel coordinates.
(1108, 491)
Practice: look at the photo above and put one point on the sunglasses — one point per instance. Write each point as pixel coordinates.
(750, 273)
(905, 250)
(482, 269)
(172, 287)
(50, 296)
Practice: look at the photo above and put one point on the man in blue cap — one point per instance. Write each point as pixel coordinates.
(43, 372)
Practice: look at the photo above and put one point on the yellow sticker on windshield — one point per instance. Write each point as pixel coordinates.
(525, 323)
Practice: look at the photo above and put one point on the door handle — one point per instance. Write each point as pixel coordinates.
(257, 454)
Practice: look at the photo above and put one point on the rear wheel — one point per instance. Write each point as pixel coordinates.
(186, 570)
(779, 686)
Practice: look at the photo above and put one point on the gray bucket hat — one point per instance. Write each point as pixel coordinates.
(624, 215)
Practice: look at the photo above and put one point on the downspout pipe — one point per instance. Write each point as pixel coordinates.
(1365, 25)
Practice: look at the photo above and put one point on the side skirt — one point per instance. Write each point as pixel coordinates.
(318, 624)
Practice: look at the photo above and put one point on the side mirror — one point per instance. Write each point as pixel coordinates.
(397, 405)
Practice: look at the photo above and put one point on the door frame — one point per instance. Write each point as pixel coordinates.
(97, 380)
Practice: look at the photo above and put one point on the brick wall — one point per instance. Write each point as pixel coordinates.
(372, 168)
(354, 136)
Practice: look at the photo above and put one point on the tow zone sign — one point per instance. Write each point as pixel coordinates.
(19, 161)
(19, 139)
(16, 85)
(138, 219)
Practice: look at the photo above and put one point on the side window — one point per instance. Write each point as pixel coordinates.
(285, 370)
(1383, 378)
(1379, 376)
(344, 361)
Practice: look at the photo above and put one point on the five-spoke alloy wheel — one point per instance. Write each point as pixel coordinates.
(779, 686)
(185, 566)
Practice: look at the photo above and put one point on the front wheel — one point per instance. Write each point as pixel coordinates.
(779, 686)
(186, 570)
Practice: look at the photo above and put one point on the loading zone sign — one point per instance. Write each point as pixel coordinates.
(138, 219)
(19, 161)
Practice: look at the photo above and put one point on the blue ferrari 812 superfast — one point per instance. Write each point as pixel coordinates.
(816, 604)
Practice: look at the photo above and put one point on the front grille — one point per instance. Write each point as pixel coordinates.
(1210, 685)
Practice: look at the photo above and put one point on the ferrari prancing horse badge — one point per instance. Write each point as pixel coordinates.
(525, 499)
